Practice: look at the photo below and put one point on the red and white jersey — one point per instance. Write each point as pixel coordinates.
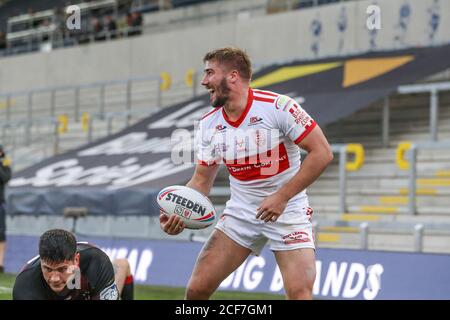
(259, 149)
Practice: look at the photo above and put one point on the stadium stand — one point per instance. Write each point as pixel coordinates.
(377, 193)
(39, 26)
(389, 201)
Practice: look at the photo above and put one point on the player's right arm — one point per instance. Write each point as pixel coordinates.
(202, 179)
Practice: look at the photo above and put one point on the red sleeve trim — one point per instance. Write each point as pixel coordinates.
(306, 132)
(265, 92)
(264, 99)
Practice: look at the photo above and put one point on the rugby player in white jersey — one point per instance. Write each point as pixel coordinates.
(258, 135)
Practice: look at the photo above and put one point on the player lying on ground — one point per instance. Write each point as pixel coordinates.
(69, 270)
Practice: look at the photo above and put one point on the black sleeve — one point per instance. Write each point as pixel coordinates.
(5, 173)
(101, 276)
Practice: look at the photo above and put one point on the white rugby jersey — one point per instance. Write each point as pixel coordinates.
(259, 149)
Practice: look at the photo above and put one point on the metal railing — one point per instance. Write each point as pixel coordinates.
(366, 229)
(411, 153)
(23, 132)
(433, 89)
(344, 166)
(110, 116)
(75, 90)
(343, 150)
(26, 113)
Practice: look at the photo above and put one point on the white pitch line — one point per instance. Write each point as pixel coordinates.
(5, 290)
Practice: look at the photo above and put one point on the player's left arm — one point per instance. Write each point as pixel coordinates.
(318, 157)
(102, 277)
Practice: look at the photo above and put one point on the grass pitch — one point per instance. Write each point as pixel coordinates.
(143, 292)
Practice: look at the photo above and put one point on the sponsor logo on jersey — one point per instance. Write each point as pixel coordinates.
(255, 120)
(300, 116)
(110, 293)
(261, 166)
(220, 127)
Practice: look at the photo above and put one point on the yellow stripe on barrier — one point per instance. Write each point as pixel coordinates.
(85, 121)
(394, 200)
(189, 78)
(420, 191)
(358, 150)
(344, 229)
(402, 148)
(63, 121)
(434, 182)
(359, 217)
(166, 81)
(328, 237)
(443, 173)
(4, 104)
(378, 209)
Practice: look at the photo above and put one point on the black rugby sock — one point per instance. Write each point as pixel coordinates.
(128, 289)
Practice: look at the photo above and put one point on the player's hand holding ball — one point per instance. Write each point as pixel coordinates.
(184, 207)
(172, 225)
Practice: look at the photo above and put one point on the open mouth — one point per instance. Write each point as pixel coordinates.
(211, 94)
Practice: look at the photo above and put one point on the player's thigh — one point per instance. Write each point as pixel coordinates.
(219, 257)
(298, 269)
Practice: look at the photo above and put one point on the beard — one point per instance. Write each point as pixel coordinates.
(222, 94)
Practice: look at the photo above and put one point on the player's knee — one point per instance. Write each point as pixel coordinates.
(198, 292)
(303, 292)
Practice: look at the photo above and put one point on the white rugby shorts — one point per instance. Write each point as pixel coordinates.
(254, 234)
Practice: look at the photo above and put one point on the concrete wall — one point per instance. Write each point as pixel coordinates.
(276, 37)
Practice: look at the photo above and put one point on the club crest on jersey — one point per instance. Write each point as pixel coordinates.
(220, 147)
(255, 120)
(259, 138)
(241, 146)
